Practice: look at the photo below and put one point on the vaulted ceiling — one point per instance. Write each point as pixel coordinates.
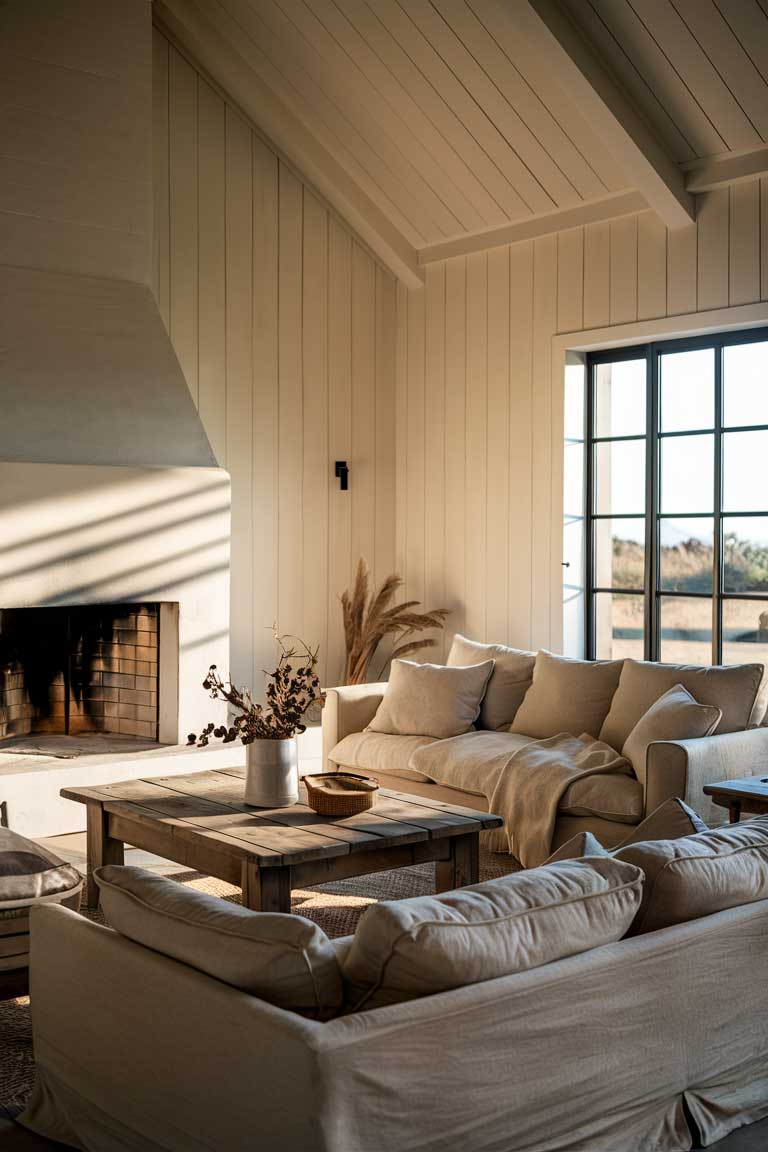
(439, 126)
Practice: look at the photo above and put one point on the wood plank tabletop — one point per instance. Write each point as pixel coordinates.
(210, 805)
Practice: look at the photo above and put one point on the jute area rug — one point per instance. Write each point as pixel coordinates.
(336, 907)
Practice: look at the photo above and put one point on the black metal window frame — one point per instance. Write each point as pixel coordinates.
(652, 592)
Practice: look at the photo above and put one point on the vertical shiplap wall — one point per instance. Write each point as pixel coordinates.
(479, 502)
(285, 328)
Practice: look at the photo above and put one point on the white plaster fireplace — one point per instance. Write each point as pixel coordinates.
(80, 535)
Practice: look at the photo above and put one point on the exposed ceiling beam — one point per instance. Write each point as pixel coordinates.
(191, 25)
(609, 207)
(566, 57)
(730, 168)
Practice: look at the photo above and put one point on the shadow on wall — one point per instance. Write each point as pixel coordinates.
(76, 535)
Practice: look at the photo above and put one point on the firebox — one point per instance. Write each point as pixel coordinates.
(93, 668)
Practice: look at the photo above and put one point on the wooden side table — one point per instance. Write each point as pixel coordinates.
(749, 794)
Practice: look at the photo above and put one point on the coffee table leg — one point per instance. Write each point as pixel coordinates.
(266, 889)
(463, 867)
(734, 811)
(101, 848)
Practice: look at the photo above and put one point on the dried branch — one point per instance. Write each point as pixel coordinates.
(293, 688)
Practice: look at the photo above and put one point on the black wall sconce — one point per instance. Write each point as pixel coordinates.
(342, 472)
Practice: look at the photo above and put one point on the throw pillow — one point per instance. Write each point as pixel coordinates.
(30, 874)
(510, 680)
(581, 845)
(567, 696)
(674, 716)
(409, 948)
(731, 689)
(699, 875)
(669, 821)
(283, 959)
(431, 699)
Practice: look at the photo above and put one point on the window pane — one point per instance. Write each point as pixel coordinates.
(620, 398)
(745, 384)
(686, 555)
(687, 474)
(686, 630)
(745, 472)
(745, 554)
(573, 479)
(745, 632)
(618, 626)
(619, 553)
(620, 477)
(687, 390)
(573, 551)
(573, 402)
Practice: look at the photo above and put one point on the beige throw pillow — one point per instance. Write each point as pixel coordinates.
(700, 875)
(567, 696)
(510, 680)
(731, 689)
(674, 716)
(431, 700)
(283, 959)
(669, 821)
(409, 948)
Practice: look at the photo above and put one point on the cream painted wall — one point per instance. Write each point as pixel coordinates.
(479, 505)
(285, 328)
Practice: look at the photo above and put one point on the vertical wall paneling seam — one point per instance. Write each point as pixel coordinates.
(197, 234)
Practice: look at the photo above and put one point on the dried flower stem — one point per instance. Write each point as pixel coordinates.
(293, 688)
(367, 623)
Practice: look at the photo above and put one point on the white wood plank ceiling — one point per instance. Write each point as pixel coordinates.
(438, 126)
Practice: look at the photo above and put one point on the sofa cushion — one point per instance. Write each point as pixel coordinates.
(377, 751)
(701, 874)
(409, 948)
(732, 690)
(283, 959)
(669, 821)
(431, 700)
(674, 716)
(610, 796)
(30, 874)
(510, 680)
(567, 696)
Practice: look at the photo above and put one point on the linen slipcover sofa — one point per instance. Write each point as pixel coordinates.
(630, 1046)
(602, 805)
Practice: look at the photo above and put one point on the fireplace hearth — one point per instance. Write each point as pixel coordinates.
(83, 669)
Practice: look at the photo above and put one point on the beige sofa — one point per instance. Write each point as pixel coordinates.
(603, 805)
(625, 1046)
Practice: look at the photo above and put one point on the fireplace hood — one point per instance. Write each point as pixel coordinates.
(88, 374)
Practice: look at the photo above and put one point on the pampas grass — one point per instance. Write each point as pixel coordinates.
(369, 618)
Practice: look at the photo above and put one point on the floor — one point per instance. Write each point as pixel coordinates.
(753, 1138)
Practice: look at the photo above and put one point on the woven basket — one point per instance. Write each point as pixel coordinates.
(340, 793)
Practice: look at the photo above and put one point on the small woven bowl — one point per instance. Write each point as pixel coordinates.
(340, 793)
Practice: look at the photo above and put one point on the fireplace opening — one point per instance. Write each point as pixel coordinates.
(86, 678)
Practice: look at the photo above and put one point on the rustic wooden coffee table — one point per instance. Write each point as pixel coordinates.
(202, 822)
(750, 794)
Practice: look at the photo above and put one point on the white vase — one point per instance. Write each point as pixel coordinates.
(272, 773)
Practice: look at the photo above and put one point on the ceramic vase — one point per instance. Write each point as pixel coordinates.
(272, 773)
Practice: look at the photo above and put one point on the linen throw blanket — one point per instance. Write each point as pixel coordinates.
(524, 785)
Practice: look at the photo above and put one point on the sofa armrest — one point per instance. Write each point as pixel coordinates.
(682, 768)
(348, 709)
(114, 1069)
